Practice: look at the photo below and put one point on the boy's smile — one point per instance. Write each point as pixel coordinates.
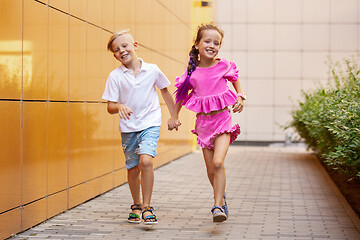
(124, 48)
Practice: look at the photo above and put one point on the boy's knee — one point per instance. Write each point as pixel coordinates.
(145, 162)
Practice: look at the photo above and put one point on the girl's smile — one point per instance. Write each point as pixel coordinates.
(208, 46)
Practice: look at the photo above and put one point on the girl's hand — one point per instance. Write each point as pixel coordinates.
(173, 123)
(124, 111)
(239, 105)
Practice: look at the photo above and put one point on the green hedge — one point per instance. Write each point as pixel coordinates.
(329, 119)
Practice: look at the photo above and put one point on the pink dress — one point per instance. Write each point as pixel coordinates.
(209, 92)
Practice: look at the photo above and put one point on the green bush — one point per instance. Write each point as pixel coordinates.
(329, 119)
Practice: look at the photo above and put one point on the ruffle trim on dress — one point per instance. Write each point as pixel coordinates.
(234, 131)
(210, 103)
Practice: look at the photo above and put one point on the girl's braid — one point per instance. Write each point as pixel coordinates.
(183, 89)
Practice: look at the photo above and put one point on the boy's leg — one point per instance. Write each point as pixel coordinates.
(147, 182)
(220, 150)
(147, 177)
(129, 144)
(134, 185)
(147, 151)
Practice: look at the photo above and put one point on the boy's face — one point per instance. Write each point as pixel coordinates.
(124, 48)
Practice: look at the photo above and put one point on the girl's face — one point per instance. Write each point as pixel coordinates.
(209, 44)
(124, 49)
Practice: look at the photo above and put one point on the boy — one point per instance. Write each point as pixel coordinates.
(130, 92)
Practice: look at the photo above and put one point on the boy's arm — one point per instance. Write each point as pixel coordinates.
(173, 122)
(124, 111)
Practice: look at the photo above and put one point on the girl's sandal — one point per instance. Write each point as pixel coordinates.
(218, 214)
(149, 219)
(133, 217)
(225, 207)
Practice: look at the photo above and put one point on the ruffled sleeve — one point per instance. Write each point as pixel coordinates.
(233, 74)
(180, 80)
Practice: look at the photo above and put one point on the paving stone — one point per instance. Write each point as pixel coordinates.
(272, 193)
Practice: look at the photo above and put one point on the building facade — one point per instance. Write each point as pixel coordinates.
(282, 47)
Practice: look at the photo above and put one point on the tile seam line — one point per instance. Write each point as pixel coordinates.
(174, 14)
(66, 189)
(106, 30)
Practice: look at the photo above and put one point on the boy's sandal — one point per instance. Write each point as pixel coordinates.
(133, 217)
(150, 219)
(218, 214)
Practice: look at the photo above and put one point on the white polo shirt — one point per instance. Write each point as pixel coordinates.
(139, 94)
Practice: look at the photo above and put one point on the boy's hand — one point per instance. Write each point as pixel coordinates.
(173, 123)
(124, 111)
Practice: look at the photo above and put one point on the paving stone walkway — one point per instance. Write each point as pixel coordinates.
(273, 193)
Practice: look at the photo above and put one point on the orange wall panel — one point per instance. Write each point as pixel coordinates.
(108, 14)
(10, 49)
(93, 11)
(77, 144)
(78, 194)
(94, 50)
(57, 164)
(33, 214)
(34, 163)
(58, 55)
(10, 148)
(10, 223)
(35, 38)
(78, 9)
(57, 203)
(77, 60)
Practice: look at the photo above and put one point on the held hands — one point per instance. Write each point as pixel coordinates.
(173, 123)
(124, 111)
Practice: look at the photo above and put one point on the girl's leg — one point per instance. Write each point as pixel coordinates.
(220, 150)
(134, 185)
(208, 157)
(147, 179)
(214, 161)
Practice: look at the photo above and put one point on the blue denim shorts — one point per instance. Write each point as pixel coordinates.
(136, 143)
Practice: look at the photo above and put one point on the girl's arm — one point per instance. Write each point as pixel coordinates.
(239, 105)
(124, 111)
(174, 121)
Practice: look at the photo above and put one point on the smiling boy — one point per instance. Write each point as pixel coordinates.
(130, 92)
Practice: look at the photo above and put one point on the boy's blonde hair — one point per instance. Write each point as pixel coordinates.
(115, 35)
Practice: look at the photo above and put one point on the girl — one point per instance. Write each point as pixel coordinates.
(206, 77)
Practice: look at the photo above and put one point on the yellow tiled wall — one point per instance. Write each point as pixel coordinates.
(59, 146)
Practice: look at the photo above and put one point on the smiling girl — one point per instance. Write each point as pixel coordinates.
(206, 76)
